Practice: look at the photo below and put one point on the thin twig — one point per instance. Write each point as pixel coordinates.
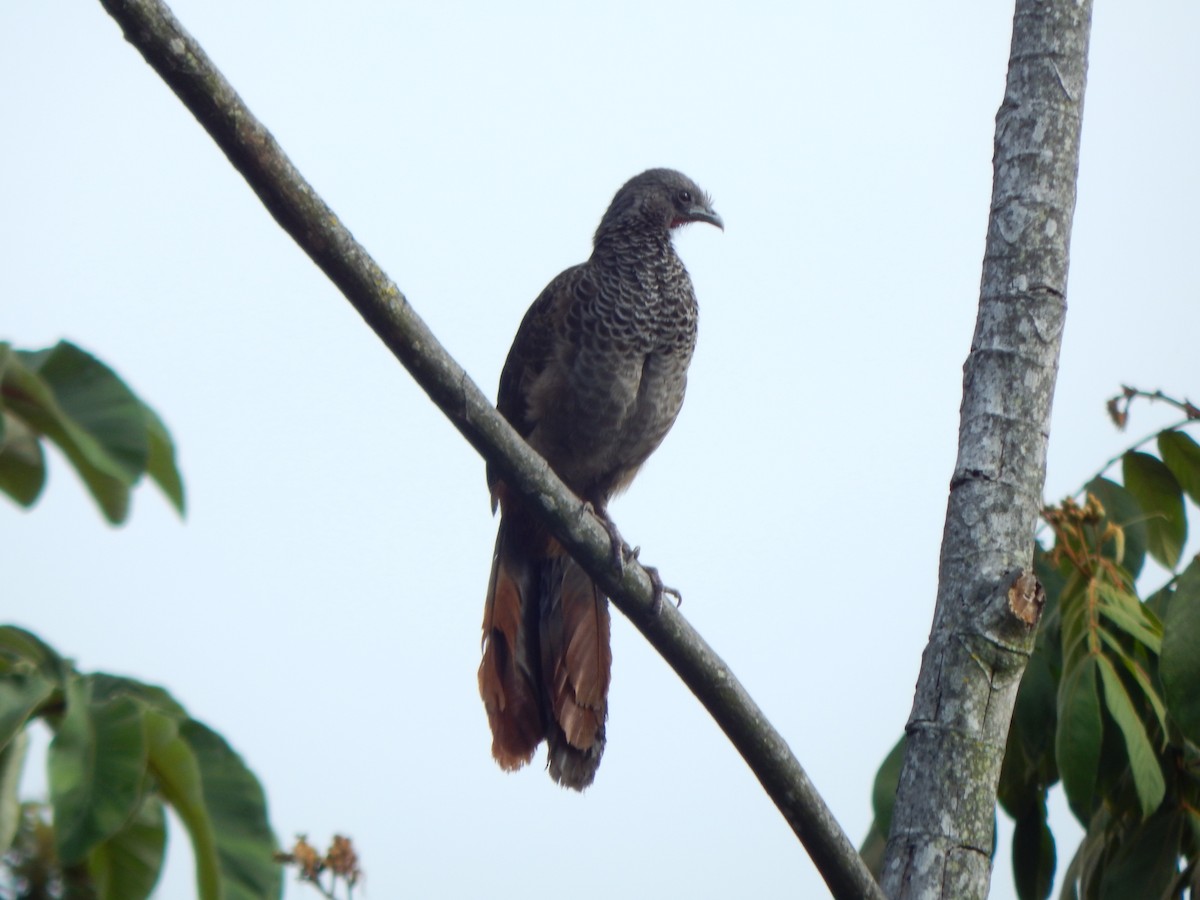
(1118, 406)
(184, 66)
(1175, 426)
(1192, 417)
(321, 889)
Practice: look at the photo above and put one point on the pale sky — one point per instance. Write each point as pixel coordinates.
(320, 606)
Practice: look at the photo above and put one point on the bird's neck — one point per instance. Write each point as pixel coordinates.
(629, 249)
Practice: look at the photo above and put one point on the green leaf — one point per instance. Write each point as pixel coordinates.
(12, 763)
(1158, 602)
(1182, 456)
(1179, 665)
(883, 791)
(238, 811)
(1145, 863)
(91, 395)
(1077, 743)
(109, 435)
(1161, 499)
(222, 806)
(1029, 763)
(1192, 819)
(161, 466)
(1036, 707)
(1126, 612)
(873, 847)
(107, 687)
(1140, 676)
(22, 462)
(29, 672)
(23, 650)
(1123, 511)
(127, 866)
(1076, 624)
(883, 800)
(23, 689)
(1089, 856)
(178, 775)
(96, 768)
(31, 397)
(1034, 858)
(1143, 762)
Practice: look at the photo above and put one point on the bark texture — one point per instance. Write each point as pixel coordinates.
(941, 836)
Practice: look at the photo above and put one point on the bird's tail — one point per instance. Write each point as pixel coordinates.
(576, 665)
(509, 673)
(546, 656)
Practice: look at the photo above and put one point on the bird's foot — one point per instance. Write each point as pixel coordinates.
(620, 550)
(657, 588)
(622, 553)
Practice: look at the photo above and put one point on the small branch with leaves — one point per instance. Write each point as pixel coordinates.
(340, 863)
(1118, 406)
(1118, 411)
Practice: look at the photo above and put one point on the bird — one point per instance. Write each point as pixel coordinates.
(593, 381)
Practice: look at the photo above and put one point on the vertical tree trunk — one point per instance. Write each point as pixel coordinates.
(941, 836)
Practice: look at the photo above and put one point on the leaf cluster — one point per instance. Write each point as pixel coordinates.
(1109, 704)
(1110, 701)
(123, 751)
(66, 396)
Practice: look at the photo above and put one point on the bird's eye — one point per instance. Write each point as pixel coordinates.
(685, 196)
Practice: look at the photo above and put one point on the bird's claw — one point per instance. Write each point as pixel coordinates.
(620, 550)
(659, 590)
(622, 553)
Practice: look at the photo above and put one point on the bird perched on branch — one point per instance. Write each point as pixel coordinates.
(594, 380)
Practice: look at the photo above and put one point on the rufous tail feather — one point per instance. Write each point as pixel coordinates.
(576, 666)
(508, 673)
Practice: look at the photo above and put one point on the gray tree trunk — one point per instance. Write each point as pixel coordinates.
(983, 628)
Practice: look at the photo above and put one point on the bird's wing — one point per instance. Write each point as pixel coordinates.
(531, 351)
(533, 347)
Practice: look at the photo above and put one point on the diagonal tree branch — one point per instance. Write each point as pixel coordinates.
(941, 835)
(184, 66)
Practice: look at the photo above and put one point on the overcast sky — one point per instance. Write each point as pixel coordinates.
(320, 606)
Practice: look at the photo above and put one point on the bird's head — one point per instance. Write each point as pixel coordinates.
(658, 198)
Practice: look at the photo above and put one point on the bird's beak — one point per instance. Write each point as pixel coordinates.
(705, 214)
